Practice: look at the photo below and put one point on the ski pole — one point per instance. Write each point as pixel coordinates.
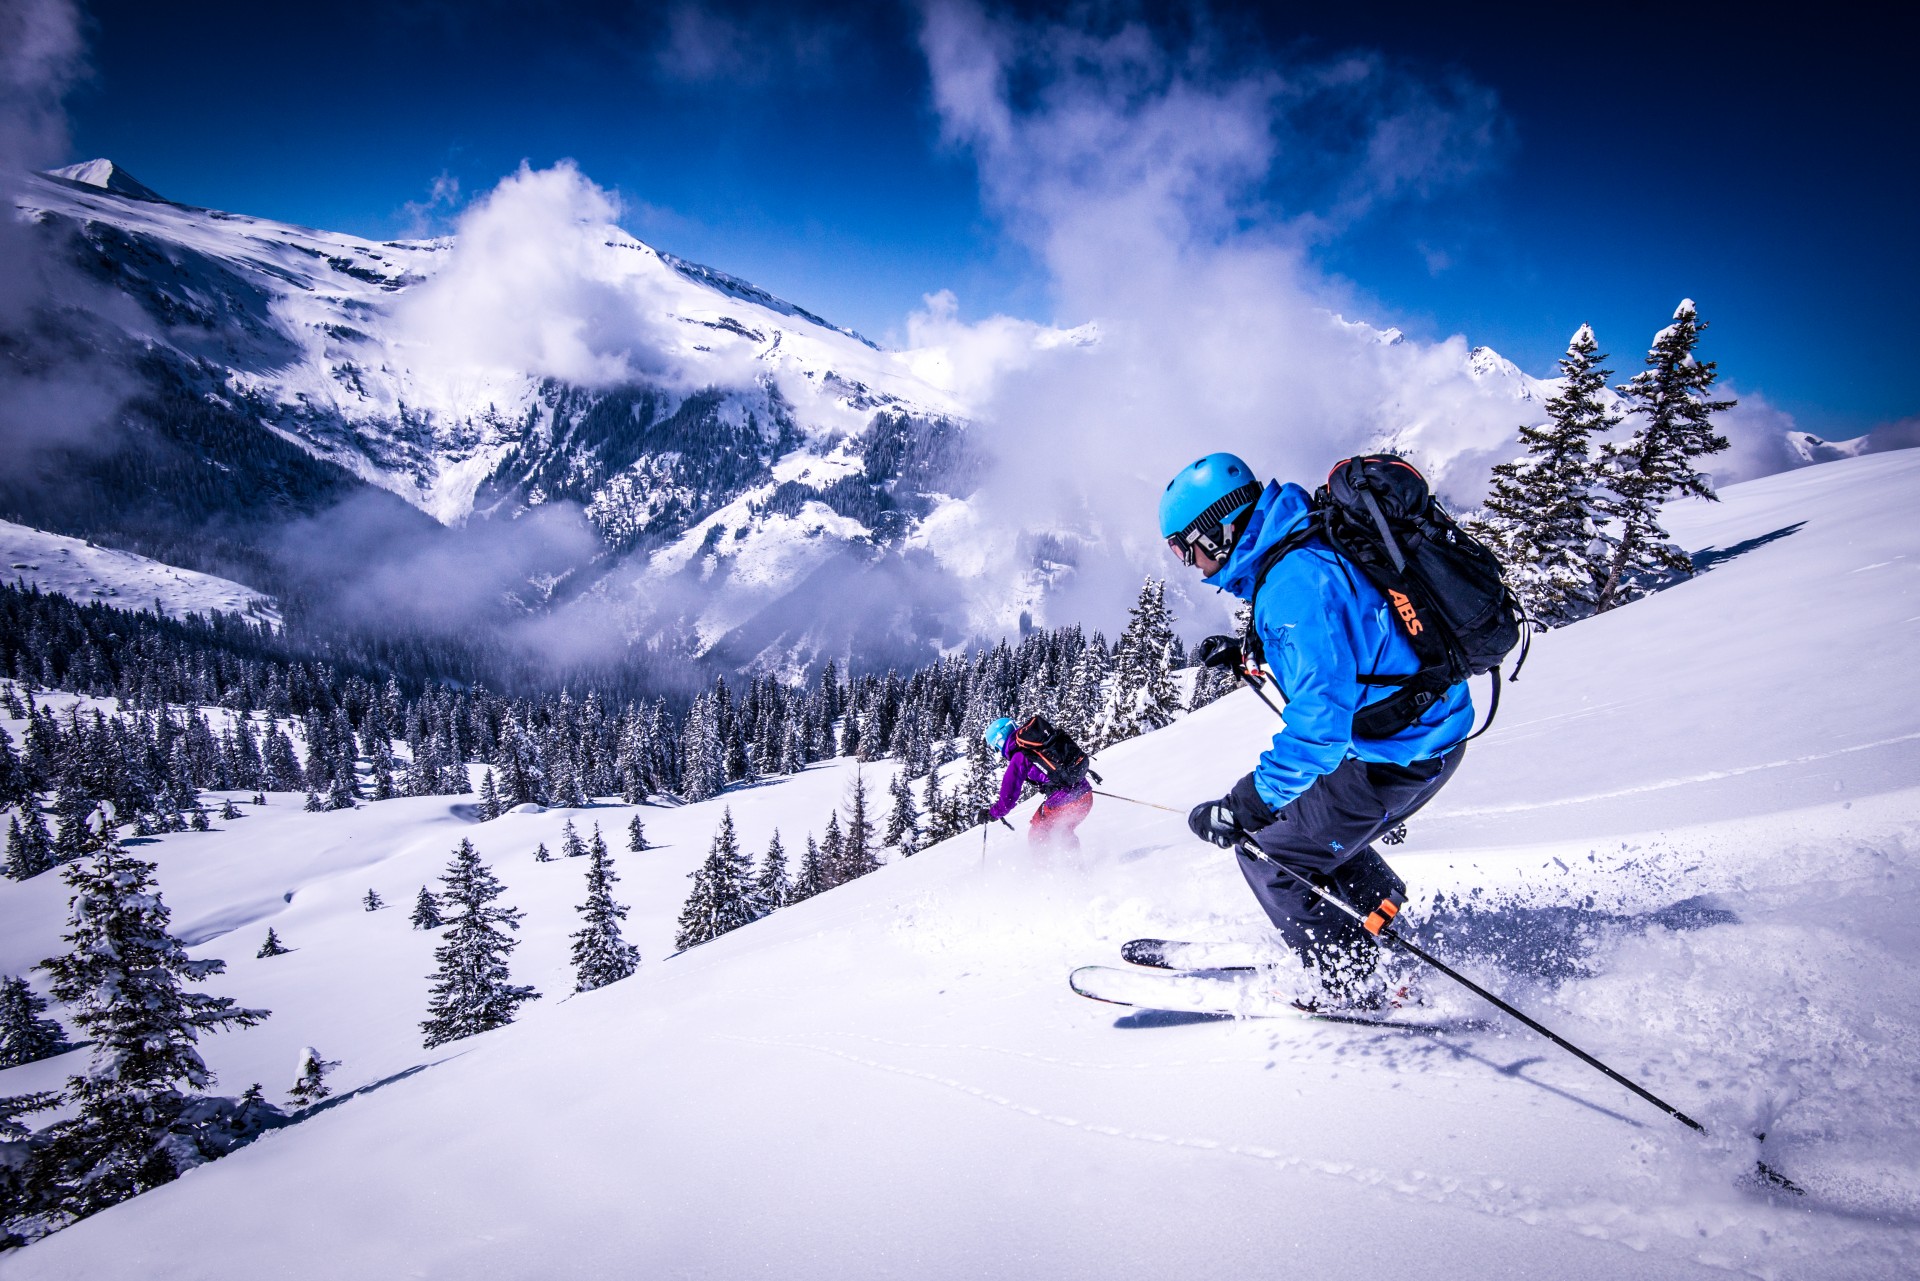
(1259, 684)
(1380, 926)
(1132, 801)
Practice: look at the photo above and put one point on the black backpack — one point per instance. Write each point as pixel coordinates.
(1444, 585)
(1057, 755)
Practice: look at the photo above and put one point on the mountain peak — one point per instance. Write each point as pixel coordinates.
(108, 176)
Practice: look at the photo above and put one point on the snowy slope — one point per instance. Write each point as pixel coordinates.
(76, 568)
(1686, 842)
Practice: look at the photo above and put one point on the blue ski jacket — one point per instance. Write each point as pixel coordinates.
(1323, 625)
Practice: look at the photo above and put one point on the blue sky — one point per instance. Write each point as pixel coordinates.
(1623, 160)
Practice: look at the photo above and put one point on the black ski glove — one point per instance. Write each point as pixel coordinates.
(1234, 817)
(1220, 651)
(983, 815)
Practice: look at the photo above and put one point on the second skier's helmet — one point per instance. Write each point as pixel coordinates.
(998, 732)
(1201, 500)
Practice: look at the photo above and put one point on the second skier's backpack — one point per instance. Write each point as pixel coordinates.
(1443, 585)
(1057, 755)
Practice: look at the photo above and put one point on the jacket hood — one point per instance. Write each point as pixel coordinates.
(1282, 509)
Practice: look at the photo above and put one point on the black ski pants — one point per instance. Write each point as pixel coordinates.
(1326, 835)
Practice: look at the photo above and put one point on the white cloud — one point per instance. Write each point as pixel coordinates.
(1175, 204)
(540, 280)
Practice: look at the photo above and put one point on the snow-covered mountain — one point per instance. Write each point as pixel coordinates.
(709, 394)
(1684, 843)
(711, 464)
(87, 573)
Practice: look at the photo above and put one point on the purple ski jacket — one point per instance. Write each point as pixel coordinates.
(1021, 770)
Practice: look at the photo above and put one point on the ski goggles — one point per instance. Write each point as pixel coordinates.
(1207, 532)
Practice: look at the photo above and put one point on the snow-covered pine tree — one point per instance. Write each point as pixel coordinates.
(703, 769)
(1656, 464)
(1209, 684)
(340, 792)
(1541, 515)
(600, 955)
(313, 805)
(833, 843)
(772, 888)
(25, 1036)
(121, 982)
(570, 843)
(471, 988)
(541, 854)
(812, 877)
(1141, 695)
(383, 786)
(426, 911)
(310, 1081)
(722, 897)
(935, 805)
(227, 811)
(272, 947)
(857, 853)
(490, 806)
(637, 835)
(75, 834)
(903, 820)
(29, 845)
(373, 902)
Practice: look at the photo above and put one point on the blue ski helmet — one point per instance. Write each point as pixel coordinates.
(1204, 496)
(998, 732)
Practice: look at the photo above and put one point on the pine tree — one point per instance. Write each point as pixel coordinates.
(813, 874)
(722, 897)
(227, 811)
(1209, 685)
(490, 806)
(637, 835)
(772, 888)
(310, 1085)
(471, 989)
(600, 955)
(541, 854)
(29, 846)
(1141, 695)
(1670, 396)
(1541, 509)
(121, 982)
(373, 902)
(272, 947)
(570, 843)
(903, 820)
(833, 843)
(426, 911)
(935, 805)
(26, 1037)
(857, 855)
(703, 772)
(313, 805)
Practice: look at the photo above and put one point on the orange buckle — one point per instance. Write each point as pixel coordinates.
(1381, 917)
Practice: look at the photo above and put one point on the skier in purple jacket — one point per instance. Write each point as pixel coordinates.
(1058, 816)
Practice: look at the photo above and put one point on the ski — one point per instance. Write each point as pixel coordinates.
(1237, 992)
(1175, 954)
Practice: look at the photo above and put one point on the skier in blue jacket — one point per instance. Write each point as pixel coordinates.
(1318, 797)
